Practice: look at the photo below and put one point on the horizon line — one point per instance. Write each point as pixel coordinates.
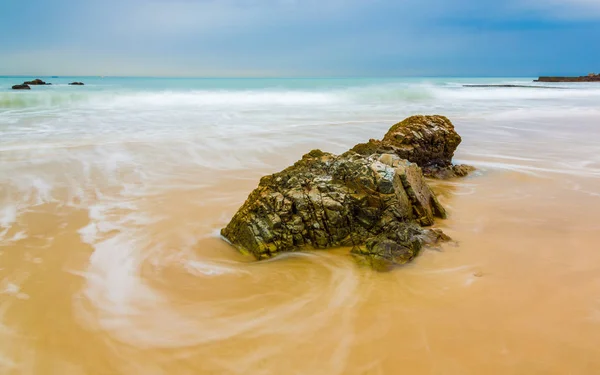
(271, 77)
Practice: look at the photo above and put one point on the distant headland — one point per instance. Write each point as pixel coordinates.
(592, 77)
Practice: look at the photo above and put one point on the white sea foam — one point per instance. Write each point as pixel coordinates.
(8, 215)
(207, 268)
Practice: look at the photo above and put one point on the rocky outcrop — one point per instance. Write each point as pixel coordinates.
(26, 85)
(76, 83)
(428, 141)
(589, 78)
(374, 198)
(21, 87)
(513, 86)
(326, 201)
(35, 82)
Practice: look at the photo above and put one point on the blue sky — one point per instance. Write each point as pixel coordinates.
(299, 37)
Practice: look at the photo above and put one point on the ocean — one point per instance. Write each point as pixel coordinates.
(112, 196)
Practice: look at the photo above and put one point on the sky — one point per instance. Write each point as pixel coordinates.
(296, 38)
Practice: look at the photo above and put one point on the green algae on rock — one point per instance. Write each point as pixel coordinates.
(373, 198)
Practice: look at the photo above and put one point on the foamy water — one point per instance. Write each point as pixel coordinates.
(112, 195)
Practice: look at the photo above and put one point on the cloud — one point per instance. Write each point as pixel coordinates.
(299, 37)
(186, 16)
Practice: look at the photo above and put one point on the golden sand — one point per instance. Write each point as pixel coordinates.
(147, 287)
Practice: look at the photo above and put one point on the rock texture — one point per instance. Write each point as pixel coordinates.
(428, 141)
(373, 198)
(397, 246)
(21, 87)
(326, 201)
(448, 172)
(425, 140)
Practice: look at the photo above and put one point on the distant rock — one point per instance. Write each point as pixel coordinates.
(36, 82)
(21, 87)
(515, 86)
(373, 198)
(76, 83)
(589, 78)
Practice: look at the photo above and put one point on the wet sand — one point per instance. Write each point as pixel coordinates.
(518, 292)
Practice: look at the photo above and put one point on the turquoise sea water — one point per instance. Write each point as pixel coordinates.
(239, 123)
(116, 109)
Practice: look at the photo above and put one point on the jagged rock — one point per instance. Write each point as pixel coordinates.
(21, 87)
(373, 198)
(396, 246)
(326, 201)
(429, 141)
(425, 140)
(76, 83)
(36, 81)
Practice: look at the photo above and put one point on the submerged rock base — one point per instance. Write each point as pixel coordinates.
(370, 198)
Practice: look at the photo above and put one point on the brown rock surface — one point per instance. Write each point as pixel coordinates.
(429, 141)
(373, 198)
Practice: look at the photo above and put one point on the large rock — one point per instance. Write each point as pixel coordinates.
(373, 198)
(325, 201)
(21, 87)
(429, 141)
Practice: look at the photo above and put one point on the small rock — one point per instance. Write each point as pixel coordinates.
(21, 87)
(76, 83)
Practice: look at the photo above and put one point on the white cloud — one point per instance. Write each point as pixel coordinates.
(295, 37)
(187, 16)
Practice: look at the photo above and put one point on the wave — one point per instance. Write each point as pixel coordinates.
(162, 99)
(410, 93)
